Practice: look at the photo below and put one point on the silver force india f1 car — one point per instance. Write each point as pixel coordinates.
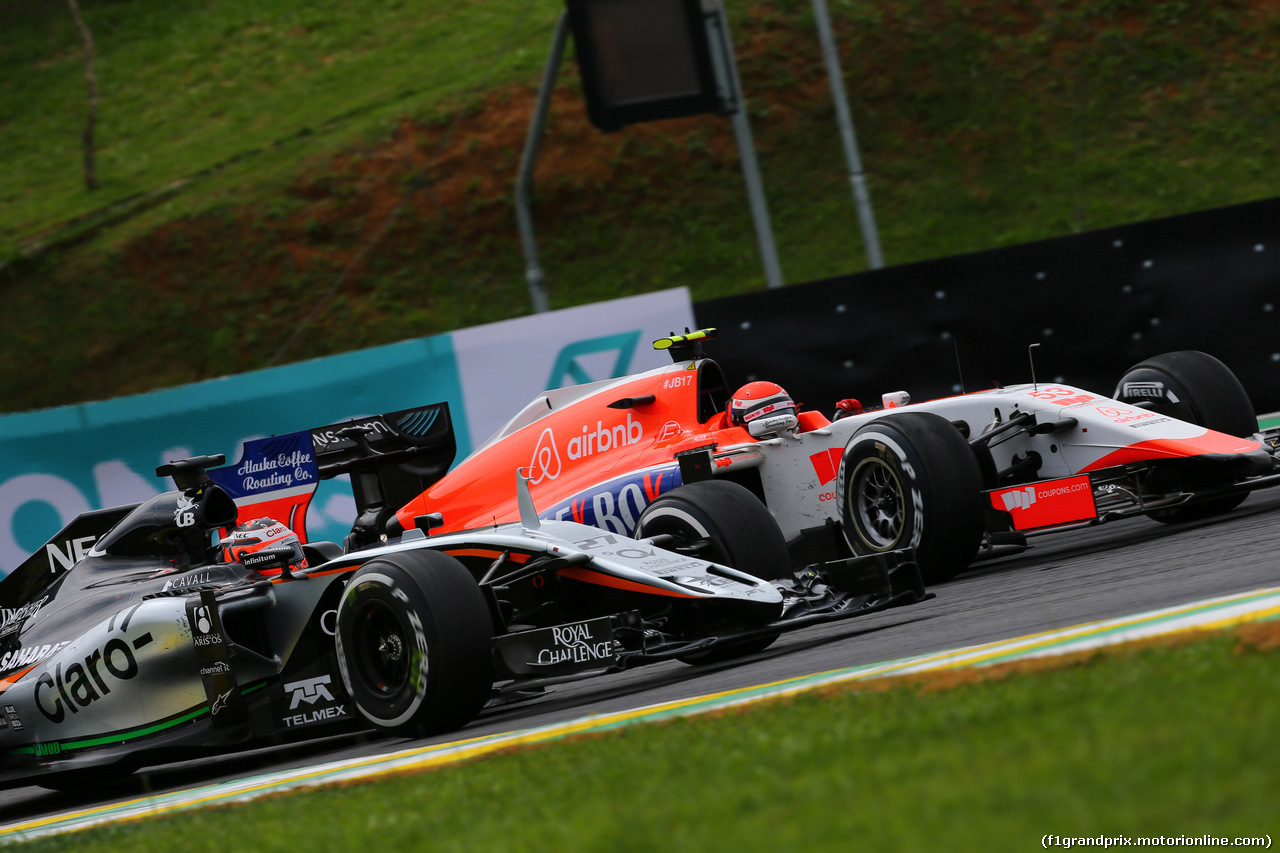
(189, 626)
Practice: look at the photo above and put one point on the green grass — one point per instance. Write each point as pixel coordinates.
(1163, 741)
(271, 139)
(192, 86)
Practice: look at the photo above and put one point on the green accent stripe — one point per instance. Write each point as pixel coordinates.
(143, 732)
(120, 737)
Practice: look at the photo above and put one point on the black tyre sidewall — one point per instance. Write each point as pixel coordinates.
(446, 629)
(1192, 386)
(744, 533)
(1205, 391)
(939, 484)
(745, 537)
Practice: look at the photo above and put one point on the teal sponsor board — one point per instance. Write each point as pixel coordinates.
(59, 462)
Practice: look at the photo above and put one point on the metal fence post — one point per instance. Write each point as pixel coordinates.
(524, 217)
(861, 196)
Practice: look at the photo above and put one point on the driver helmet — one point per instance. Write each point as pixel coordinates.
(259, 534)
(764, 408)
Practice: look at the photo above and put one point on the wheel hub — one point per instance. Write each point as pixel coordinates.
(877, 501)
(391, 647)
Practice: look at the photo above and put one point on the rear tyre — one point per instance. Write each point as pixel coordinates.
(910, 480)
(413, 643)
(1195, 387)
(741, 534)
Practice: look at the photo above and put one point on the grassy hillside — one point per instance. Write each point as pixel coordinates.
(349, 168)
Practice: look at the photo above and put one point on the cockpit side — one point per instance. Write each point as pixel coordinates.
(177, 526)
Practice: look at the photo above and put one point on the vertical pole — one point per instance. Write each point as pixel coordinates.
(861, 196)
(755, 194)
(524, 217)
(746, 146)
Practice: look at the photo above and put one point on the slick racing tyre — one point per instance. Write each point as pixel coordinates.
(413, 644)
(1195, 387)
(910, 480)
(1190, 386)
(739, 531)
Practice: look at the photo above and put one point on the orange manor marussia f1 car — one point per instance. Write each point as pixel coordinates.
(674, 451)
(202, 621)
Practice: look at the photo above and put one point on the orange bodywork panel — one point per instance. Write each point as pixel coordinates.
(563, 455)
(1176, 448)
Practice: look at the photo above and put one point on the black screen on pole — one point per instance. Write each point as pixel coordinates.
(642, 60)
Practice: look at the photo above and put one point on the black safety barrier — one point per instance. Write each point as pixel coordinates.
(1096, 303)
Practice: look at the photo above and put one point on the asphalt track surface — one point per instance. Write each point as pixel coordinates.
(1063, 580)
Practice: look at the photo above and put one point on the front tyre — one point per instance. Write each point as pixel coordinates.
(910, 480)
(739, 532)
(413, 644)
(738, 528)
(1195, 387)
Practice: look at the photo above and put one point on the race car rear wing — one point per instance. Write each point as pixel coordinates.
(409, 449)
(391, 458)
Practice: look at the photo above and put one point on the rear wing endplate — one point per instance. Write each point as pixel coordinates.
(391, 459)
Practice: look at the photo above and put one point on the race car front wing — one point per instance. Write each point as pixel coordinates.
(827, 592)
